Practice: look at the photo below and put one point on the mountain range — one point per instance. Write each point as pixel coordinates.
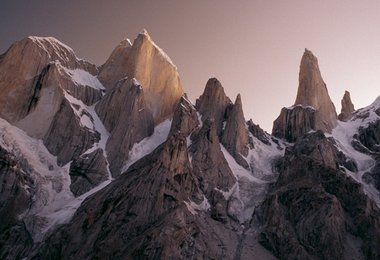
(115, 162)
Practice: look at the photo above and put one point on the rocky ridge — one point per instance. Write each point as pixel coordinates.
(146, 62)
(125, 166)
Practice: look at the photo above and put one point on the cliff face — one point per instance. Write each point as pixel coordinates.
(214, 104)
(121, 165)
(146, 62)
(127, 117)
(312, 93)
(20, 70)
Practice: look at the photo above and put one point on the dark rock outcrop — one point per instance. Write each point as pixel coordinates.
(347, 107)
(258, 132)
(208, 162)
(294, 122)
(373, 177)
(88, 171)
(315, 209)
(369, 136)
(16, 197)
(214, 104)
(211, 168)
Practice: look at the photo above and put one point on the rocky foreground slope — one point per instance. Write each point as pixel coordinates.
(115, 162)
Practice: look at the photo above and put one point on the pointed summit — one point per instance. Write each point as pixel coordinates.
(313, 108)
(235, 136)
(347, 107)
(312, 91)
(144, 32)
(150, 65)
(213, 103)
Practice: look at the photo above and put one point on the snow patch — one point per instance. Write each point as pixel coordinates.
(344, 133)
(84, 78)
(64, 211)
(251, 187)
(300, 105)
(148, 144)
(90, 119)
(52, 182)
(194, 208)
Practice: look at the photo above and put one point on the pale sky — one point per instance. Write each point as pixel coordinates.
(252, 47)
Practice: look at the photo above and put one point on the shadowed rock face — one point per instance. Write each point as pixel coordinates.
(313, 108)
(66, 138)
(185, 118)
(258, 132)
(208, 161)
(294, 123)
(214, 104)
(211, 168)
(314, 208)
(87, 172)
(144, 207)
(146, 212)
(235, 135)
(368, 141)
(152, 68)
(347, 107)
(15, 199)
(126, 115)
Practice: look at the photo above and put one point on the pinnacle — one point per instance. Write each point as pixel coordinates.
(144, 32)
(238, 100)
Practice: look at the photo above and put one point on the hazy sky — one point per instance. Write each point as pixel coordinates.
(252, 47)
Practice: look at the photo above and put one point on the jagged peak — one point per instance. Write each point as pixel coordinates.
(144, 36)
(238, 101)
(144, 32)
(308, 52)
(213, 85)
(42, 41)
(347, 100)
(347, 107)
(125, 43)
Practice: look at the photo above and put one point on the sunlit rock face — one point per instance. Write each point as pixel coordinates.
(312, 91)
(146, 62)
(20, 69)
